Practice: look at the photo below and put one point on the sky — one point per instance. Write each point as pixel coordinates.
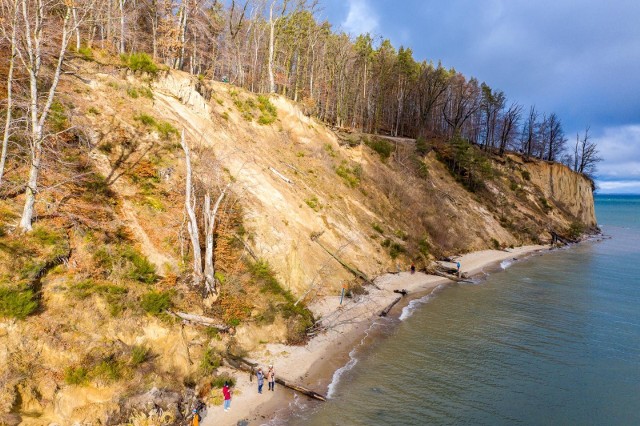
(577, 58)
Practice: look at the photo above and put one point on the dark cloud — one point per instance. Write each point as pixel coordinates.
(579, 59)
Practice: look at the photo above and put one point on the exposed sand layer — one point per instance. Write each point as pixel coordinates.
(312, 365)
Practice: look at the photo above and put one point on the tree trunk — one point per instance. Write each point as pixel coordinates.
(272, 29)
(77, 25)
(122, 2)
(210, 226)
(7, 125)
(192, 225)
(34, 61)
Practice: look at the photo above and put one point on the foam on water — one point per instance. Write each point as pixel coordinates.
(408, 310)
(349, 365)
(506, 263)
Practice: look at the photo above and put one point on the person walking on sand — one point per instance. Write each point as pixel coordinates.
(413, 268)
(226, 392)
(271, 378)
(260, 376)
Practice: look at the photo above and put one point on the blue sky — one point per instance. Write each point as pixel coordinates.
(577, 58)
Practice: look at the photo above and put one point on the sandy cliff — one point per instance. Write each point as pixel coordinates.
(312, 204)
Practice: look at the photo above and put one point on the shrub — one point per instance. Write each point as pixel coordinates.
(313, 203)
(156, 302)
(46, 236)
(57, 117)
(210, 362)
(93, 110)
(218, 381)
(268, 112)
(576, 230)
(329, 149)
(139, 62)
(109, 369)
(381, 146)
(395, 250)
(377, 228)
(139, 354)
(424, 246)
(351, 176)
(145, 119)
(17, 303)
(525, 174)
(495, 243)
(141, 269)
(145, 92)
(166, 129)
(75, 375)
(86, 53)
(422, 148)
(132, 92)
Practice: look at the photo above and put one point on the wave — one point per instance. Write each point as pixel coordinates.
(506, 263)
(408, 310)
(349, 365)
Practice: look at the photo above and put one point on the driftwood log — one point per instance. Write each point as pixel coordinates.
(250, 367)
(386, 310)
(402, 292)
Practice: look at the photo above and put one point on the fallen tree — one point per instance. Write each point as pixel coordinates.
(250, 367)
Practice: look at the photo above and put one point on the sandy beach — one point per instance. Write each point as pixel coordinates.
(314, 364)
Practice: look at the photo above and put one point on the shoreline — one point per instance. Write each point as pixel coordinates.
(347, 328)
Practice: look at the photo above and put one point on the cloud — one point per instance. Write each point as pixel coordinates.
(361, 18)
(619, 187)
(620, 149)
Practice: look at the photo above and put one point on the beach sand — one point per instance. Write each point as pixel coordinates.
(314, 364)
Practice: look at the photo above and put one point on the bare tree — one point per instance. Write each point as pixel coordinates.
(586, 155)
(508, 126)
(529, 132)
(36, 15)
(201, 272)
(8, 9)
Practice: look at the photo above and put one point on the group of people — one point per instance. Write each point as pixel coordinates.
(271, 381)
(270, 376)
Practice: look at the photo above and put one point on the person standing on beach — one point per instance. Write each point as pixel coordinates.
(271, 378)
(413, 268)
(458, 265)
(260, 376)
(226, 392)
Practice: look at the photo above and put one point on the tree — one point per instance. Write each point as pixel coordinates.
(8, 32)
(529, 132)
(508, 125)
(38, 16)
(202, 273)
(555, 139)
(586, 155)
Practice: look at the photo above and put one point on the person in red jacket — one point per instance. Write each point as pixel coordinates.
(226, 392)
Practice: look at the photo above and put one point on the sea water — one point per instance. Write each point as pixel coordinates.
(552, 340)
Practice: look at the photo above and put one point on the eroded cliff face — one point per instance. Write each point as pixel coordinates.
(315, 206)
(308, 197)
(568, 189)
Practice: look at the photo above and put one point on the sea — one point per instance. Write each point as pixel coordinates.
(553, 339)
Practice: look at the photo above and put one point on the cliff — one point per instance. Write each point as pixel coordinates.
(308, 207)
